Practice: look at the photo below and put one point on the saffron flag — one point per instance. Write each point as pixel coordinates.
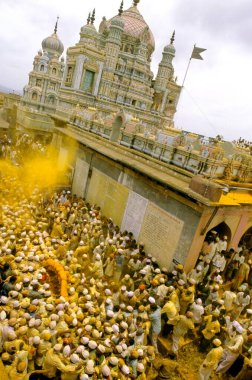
(196, 52)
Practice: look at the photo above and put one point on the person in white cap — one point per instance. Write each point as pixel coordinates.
(198, 310)
(96, 269)
(155, 318)
(109, 266)
(196, 274)
(232, 350)
(229, 299)
(243, 299)
(242, 275)
(222, 244)
(211, 361)
(219, 262)
(141, 372)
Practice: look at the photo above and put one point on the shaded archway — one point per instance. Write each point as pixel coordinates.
(116, 128)
(246, 238)
(222, 230)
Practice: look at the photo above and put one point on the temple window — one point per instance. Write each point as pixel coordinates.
(52, 86)
(51, 100)
(69, 75)
(54, 71)
(34, 96)
(88, 81)
(42, 68)
(38, 82)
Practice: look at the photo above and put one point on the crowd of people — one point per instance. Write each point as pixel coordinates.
(243, 144)
(14, 150)
(105, 322)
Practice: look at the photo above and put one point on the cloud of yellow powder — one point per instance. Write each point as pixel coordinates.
(44, 172)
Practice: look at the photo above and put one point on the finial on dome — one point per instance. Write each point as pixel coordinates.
(89, 18)
(93, 17)
(135, 2)
(56, 25)
(120, 10)
(173, 37)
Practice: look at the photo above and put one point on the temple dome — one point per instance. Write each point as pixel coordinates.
(135, 25)
(170, 49)
(53, 45)
(89, 30)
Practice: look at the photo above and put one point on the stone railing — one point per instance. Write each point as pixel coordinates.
(213, 165)
(208, 160)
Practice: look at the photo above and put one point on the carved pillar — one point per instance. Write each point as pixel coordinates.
(164, 100)
(78, 71)
(98, 79)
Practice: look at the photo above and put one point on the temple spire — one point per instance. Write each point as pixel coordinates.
(93, 17)
(135, 2)
(172, 37)
(89, 18)
(56, 25)
(120, 10)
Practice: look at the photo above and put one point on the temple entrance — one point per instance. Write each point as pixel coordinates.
(246, 238)
(222, 230)
(116, 128)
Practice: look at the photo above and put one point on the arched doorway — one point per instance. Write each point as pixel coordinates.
(116, 128)
(246, 238)
(222, 230)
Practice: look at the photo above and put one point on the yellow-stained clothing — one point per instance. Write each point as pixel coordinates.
(210, 363)
(57, 231)
(3, 371)
(16, 343)
(97, 269)
(174, 297)
(43, 347)
(187, 298)
(242, 275)
(74, 375)
(212, 328)
(166, 368)
(52, 363)
(213, 357)
(61, 252)
(81, 250)
(170, 310)
(14, 375)
(142, 376)
(182, 325)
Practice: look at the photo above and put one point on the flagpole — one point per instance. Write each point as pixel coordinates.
(182, 86)
(187, 70)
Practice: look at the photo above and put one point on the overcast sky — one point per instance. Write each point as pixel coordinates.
(216, 98)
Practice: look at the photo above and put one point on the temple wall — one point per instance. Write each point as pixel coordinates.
(163, 223)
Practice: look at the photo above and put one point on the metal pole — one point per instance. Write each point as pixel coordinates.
(184, 79)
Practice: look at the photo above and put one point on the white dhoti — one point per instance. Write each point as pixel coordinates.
(227, 360)
(175, 343)
(205, 372)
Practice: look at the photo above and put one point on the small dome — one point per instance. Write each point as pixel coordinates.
(53, 45)
(117, 21)
(89, 30)
(170, 49)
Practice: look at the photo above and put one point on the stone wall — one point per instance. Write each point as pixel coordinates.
(112, 186)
